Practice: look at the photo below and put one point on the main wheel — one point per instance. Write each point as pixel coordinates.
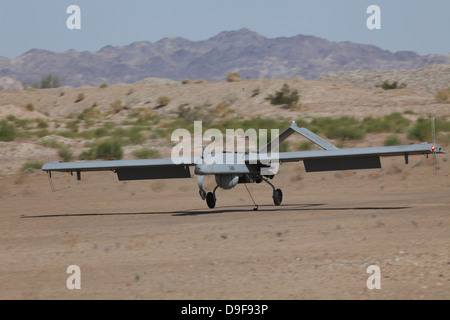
(211, 200)
(277, 197)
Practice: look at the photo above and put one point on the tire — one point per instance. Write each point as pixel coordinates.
(277, 197)
(210, 200)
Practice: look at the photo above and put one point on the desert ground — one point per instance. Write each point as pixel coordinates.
(158, 240)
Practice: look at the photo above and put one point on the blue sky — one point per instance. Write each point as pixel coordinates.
(420, 26)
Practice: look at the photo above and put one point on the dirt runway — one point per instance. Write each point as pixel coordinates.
(158, 239)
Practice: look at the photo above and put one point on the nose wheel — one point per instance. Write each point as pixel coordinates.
(211, 200)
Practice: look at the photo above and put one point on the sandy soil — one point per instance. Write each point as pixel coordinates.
(158, 239)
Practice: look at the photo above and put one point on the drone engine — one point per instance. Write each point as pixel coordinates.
(227, 181)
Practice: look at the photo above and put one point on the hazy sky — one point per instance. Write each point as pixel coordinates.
(420, 26)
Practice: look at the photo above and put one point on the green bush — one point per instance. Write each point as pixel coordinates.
(163, 101)
(89, 113)
(80, 97)
(106, 150)
(443, 95)
(134, 136)
(394, 122)
(285, 96)
(72, 126)
(109, 150)
(422, 129)
(65, 154)
(146, 153)
(344, 133)
(305, 146)
(41, 124)
(29, 107)
(32, 165)
(233, 77)
(392, 140)
(386, 85)
(344, 128)
(8, 132)
(117, 106)
(197, 113)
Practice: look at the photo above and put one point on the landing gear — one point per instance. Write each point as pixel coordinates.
(277, 193)
(277, 197)
(211, 200)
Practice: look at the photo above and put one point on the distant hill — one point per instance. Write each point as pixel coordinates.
(242, 51)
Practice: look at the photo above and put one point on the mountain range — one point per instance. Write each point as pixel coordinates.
(242, 51)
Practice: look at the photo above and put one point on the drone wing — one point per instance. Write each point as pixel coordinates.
(333, 158)
(164, 168)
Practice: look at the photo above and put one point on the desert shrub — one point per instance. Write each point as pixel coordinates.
(89, 113)
(117, 106)
(386, 85)
(66, 134)
(50, 142)
(233, 77)
(222, 110)
(163, 101)
(344, 128)
(146, 153)
(8, 131)
(392, 140)
(285, 96)
(101, 132)
(305, 145)
(134, 136)
(107, 150)
(344, 133)
(41, 124)
(80, 97)
(65, 154)
(284, 146)
(422, 129)
(72, 126)
(103, 86)
(29, 107)
(32, 165)
(109, 125)
(443, 96)
(197, 113)
(186, 81)
(394, 122)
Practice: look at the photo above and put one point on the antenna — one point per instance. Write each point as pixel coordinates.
(433, 130)
(433, 135)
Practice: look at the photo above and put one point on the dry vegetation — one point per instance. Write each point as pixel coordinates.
(157, 239)
(139, 116)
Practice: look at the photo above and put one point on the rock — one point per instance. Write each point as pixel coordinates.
(7, 83)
